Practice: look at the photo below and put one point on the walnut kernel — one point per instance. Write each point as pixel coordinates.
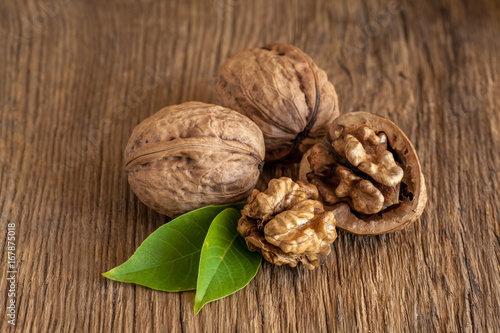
(287, 224)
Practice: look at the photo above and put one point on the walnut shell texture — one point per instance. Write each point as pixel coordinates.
(193, 155)
(287, 224)
(284, 92)
(368, 173)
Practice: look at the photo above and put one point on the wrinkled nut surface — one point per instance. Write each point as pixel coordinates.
(192, 155)
(367, 172)
(287, 224)
(284, 92)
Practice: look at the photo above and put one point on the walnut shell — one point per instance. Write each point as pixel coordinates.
(192, 155)
(368, 173)
(284, 92)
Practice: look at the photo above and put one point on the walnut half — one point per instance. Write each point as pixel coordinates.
(287, 224)
(367, 172)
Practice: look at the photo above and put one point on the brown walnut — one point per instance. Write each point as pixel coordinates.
(367, 172)
(287, 224)
(192, 155)
(284, 92)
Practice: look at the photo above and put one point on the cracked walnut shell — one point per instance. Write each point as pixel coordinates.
(193, 155)
(368, 173)
(287, 224)
(284, 92)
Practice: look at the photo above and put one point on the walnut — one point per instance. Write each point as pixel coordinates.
(192, 155)
(284, 92)
(287, 224)
(365, 197)
(367, 172)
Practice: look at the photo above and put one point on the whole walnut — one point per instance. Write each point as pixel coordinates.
(284, 92)
(368, 173)
(287, 224)
(192, 155)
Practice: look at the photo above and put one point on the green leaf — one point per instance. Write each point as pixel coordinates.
(168, 259)
(226, 264)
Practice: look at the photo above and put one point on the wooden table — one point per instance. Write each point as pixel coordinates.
(77, 76)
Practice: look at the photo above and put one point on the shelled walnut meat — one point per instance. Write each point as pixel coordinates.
(367, 172)
(287, 224)
(192, 155)
(284, 92)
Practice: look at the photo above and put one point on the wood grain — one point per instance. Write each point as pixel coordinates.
(77, 76)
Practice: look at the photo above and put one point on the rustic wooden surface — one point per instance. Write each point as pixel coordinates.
(76, 77)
